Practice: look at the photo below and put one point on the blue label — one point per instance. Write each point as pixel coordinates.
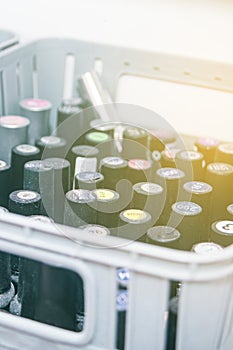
(122, 300)
(123, 275)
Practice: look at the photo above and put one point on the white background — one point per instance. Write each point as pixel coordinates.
(195, 28)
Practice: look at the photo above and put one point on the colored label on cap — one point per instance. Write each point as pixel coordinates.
(105, 195)
(14, 122)
(224, 227)
(197, 187)
(186, 208)
(35, 104)
(170, 173)
(220, 168)
(97, 137)
(96, 230)
(50, 140)
(205, 248)
(208, 141)
(27, 149)
(2, 164)
(135, 215)
(123, 275)
(226, 148)
(163, 234)
(27, 195)
(139, 164)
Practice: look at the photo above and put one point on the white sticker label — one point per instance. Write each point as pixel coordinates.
(26, 148)
(26, 195)
(197, 187)
(225, 227)
(187, 208)
(170, 173)
(220, 168)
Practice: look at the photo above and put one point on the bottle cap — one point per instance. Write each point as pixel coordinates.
(89, 177)
(135, 216)
(81, 196)
(97, 230)
(197, 187)
(163, 234)
(170, 173)
(36, 104)
(220, 168)
(186, 208)
(224, 227)
(106, 195)
(139, 164)
(147, 188)
(205, 248)
(113, 162)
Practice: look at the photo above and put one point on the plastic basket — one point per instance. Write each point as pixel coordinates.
(7, 39)
(205, 318)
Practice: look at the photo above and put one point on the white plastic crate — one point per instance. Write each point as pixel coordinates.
(7, 39)
(205, 318)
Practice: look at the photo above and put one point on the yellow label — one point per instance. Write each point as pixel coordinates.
(104, 194)
(135, 214)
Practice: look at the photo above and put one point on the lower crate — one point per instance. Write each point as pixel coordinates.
(205, 305)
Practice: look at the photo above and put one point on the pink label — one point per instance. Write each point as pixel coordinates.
(139, 164)
(208, 141)
(36, 103)
(13, 121)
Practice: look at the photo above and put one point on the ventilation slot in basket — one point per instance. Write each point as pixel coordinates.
(2, 95)
(35, 78)
(18, 80)
(172, 315)
(69, 76)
